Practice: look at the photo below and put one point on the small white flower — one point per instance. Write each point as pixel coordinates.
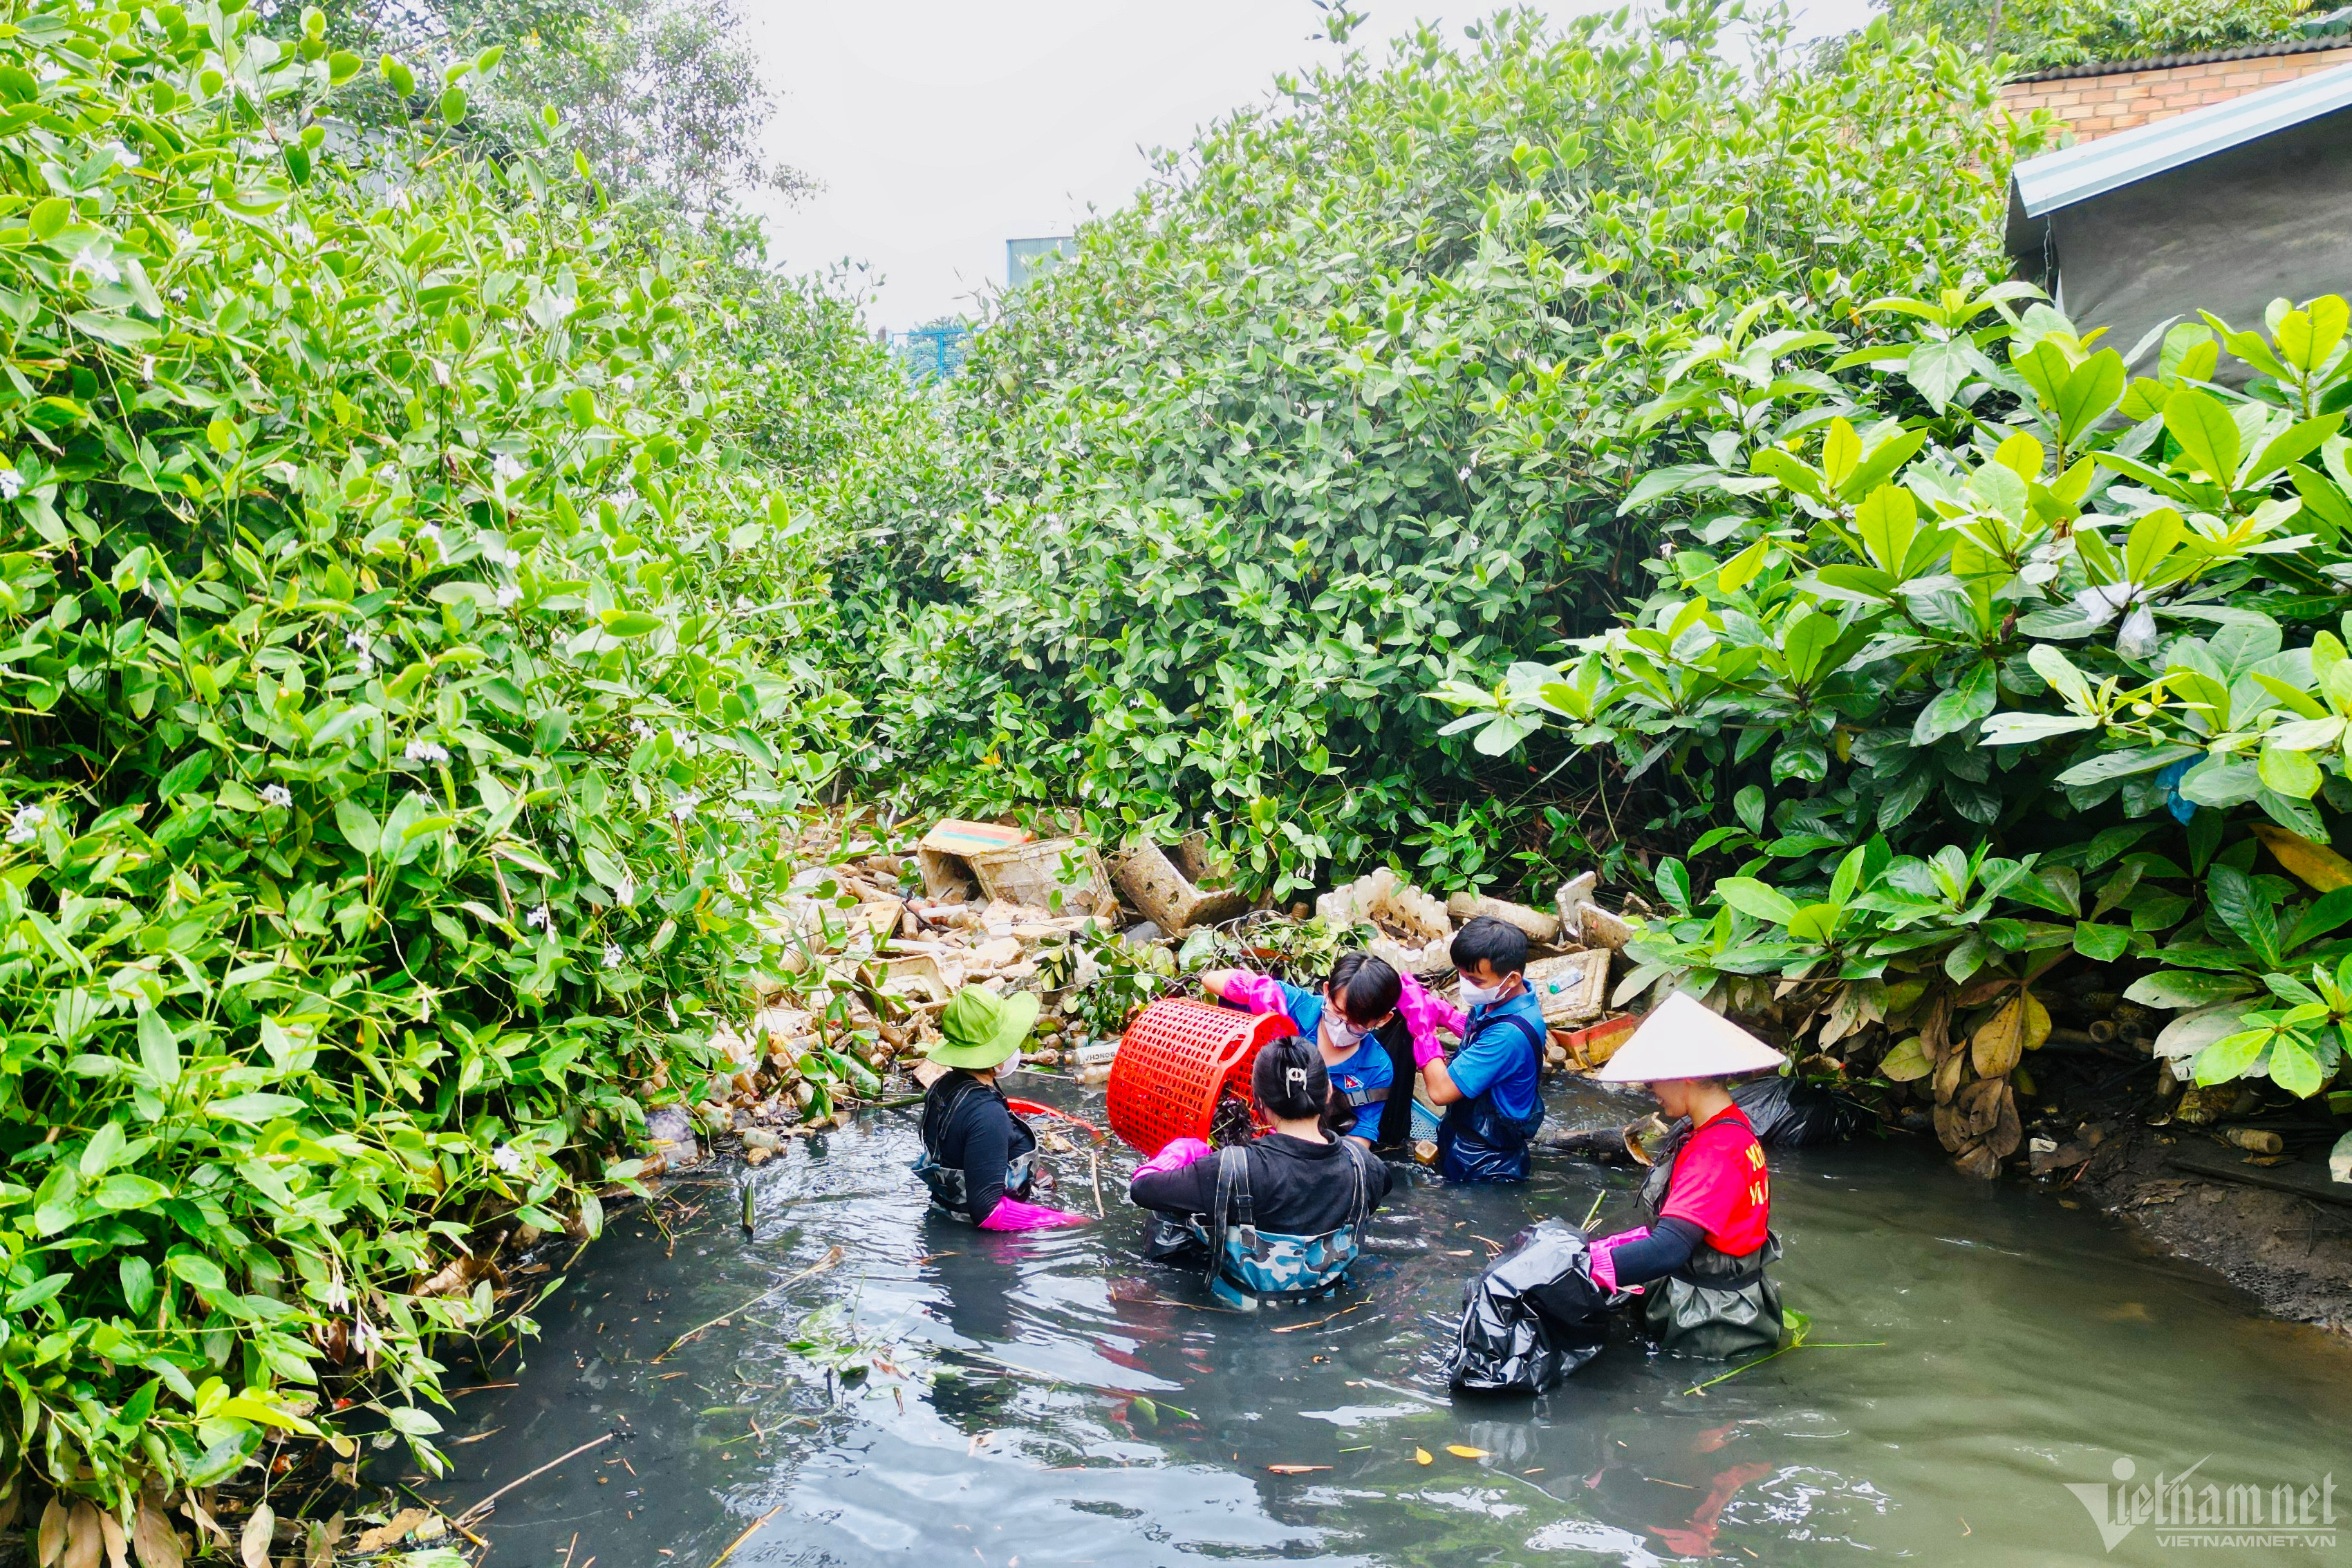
(397, 199)
(670, 1007)
(735, 882)
(613, 957)
(506, 470)
(179, 296)
(125, 156)
(639, 727)
(51, 71)
(627, 891)
(365, 1339)
(625, 384)
(12, 484)
(338, 1295)
(102, 270)
(426, 752)
(681, 810)
(277, 795)
(499, 555)
(431, 535)
(743, 813)
(29, 820)
(542, 918)
(508, 597)
(1462, 474)
(507, 1158)
(514, 248)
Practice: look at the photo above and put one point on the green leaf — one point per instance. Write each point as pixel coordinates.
(628, 623)
(159, 1049)
(1960, 707)
(2105, 944)
(2206, 433)
(1754, 898)
(2230, 1056)
(2185, 988)
(48, 216)
(125, 1191)
(2294, 1069)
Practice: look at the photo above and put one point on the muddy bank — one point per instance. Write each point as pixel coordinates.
(2292, 1253)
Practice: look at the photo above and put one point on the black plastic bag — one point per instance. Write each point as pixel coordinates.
(1790, 1113)
(1532, 1318)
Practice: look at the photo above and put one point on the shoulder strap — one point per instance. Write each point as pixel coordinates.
(1362, 1215)
(1233, 1172)
(1518, 1021)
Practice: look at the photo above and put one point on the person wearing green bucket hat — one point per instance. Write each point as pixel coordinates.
(977, 1154)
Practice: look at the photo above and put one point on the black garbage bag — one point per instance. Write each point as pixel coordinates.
(1532, 1318)
(1791, 1113)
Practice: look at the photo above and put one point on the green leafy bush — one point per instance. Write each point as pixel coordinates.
(393, 593)
(1345, 401)
(2029, 597)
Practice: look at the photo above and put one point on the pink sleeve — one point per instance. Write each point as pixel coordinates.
(1258, 993)
(1424, 1015)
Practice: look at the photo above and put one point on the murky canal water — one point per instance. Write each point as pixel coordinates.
(1048, 1400)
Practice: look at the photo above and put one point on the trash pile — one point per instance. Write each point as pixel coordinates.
(880, 929)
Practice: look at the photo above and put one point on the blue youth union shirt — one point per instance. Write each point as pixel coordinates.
(1368, 1070)
(1497, 1056)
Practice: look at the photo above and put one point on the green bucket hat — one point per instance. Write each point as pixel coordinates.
(981, 1029)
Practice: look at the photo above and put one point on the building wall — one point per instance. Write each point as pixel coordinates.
(2093, 105)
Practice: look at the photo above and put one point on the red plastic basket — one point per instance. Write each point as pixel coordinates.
(1176, 1061)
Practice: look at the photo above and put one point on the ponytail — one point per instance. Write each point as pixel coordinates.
(1288, 1081)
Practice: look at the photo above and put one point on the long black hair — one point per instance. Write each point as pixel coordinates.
(1365, 987)
(1288, 1081)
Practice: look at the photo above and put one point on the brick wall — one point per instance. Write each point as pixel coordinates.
(2093, 105)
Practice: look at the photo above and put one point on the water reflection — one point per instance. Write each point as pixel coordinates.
(1054, 1399)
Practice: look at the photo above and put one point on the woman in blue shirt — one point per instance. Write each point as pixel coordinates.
(1358, 997)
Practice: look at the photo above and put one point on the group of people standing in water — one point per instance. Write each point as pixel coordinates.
(1281, 1216)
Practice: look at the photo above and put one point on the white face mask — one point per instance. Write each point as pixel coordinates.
(1338, 1034)
(1479, 996)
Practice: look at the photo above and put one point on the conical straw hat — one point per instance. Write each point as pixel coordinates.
(1681, 1038)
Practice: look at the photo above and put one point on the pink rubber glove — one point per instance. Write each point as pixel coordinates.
(1011, 1213)
(1178, 1153)
(1258, 993)
(1424, 1015)
(1604, 1260)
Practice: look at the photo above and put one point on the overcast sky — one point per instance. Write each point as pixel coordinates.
(940, 129)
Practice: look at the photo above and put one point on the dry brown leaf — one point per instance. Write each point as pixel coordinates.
(50, 1542)
(2007, 1132)
(118, 1545)
(1979, 1161)
(2318, 867)
(1950, 1074)
(253, 1544)
(2018, 1025)
(1464, 1451)
(10, 1504)
(153, 1538)
(1979, 1107)
(384, 1536)
(1936, 1027)
(83, 1540)
(193, 1507)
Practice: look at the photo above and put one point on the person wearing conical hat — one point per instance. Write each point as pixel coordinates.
(977, 1154)
(1701, 1259)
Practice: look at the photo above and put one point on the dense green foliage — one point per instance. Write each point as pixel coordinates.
(401, 562)
(2038, 35)
(1986, 588)
(1344, 403)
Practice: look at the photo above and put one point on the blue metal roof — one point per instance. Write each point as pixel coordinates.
(2076, 173)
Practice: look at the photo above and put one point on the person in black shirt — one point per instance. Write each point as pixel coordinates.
(1283, 1214)
(976, 1154)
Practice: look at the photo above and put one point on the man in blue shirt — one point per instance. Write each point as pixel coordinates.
(1491, 1088)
